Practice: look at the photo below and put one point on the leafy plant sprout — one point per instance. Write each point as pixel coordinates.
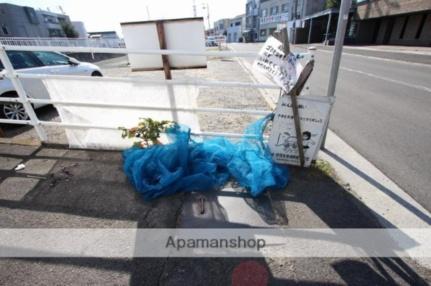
(147, 132)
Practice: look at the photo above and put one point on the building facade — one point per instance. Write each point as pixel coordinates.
(235, 29)
(271, 14)
(251, 33)
(299, 23)
(19, 21)
(403, 22)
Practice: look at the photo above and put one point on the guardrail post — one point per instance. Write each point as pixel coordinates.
(11, 74)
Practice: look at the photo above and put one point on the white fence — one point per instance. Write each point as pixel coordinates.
(27, 102)
(62, 42)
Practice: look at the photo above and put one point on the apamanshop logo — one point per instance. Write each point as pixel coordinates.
(215, 243)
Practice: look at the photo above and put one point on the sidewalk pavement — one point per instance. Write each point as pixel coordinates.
(62, 188)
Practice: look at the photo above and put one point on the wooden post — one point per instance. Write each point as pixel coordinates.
(167, 68)
(293, 93)
(162, 44)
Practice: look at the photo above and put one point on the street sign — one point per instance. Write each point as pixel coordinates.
(314, 112)
(275, 64)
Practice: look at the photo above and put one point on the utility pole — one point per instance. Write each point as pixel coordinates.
(295, 14)
(194, 9)
(148, 12)
(343, 18)
(207, 7)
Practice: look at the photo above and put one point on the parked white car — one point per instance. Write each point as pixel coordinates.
(38, 63)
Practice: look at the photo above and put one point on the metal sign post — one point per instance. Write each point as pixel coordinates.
(343, 18)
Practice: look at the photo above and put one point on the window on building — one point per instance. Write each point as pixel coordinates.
(262, 33)
(50, 19)
(5, 30)
(51, 58)
(284, 8)
(23, 60)
(238, 23)
(55, 33)
(264, 11)
(274, 10)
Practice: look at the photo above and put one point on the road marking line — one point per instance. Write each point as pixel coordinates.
(380, 59)
(389, 79)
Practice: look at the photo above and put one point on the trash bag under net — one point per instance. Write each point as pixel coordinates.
(186, 165)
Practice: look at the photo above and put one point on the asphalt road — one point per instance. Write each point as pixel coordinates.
(382, 110)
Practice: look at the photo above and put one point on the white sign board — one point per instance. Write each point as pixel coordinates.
(181, 34)
(313, 115)
(273, 62)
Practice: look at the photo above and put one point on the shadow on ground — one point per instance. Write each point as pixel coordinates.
(87, 189)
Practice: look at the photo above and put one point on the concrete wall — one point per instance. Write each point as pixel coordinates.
(364, 34)
(381, 8)
(368, 28)
(409, 37)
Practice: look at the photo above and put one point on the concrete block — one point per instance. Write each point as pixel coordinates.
(38, 166)
(20, 150)
(47, 152)
(15, 188)
(7, 163)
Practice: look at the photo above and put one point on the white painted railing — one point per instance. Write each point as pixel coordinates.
(15, 77)
(62, 42)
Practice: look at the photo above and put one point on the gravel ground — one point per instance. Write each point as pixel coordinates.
(219, 97)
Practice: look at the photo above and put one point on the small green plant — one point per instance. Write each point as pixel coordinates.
(323, 167)
(148, 131)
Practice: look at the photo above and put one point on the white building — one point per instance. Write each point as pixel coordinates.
(235, 29)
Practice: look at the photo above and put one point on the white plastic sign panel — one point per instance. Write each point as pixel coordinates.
(313, 115)
(273, 63)
(180, 34)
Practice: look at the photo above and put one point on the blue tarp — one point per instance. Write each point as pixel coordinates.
(186, 165)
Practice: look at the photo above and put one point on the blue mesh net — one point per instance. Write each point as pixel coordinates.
(186, 165)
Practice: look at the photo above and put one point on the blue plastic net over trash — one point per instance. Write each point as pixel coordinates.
(186, 165)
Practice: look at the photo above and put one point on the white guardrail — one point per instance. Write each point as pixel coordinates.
(15, 77)
(62, 42)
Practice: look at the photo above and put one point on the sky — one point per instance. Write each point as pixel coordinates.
(105, 15)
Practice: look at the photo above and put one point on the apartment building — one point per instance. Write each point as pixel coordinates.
(19, 21)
